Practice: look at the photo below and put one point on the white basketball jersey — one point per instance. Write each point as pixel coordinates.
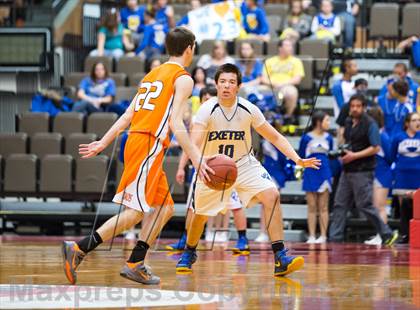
(229, 129)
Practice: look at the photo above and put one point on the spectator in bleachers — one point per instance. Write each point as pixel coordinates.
(132, 18)
(199, 76)
(194, 4)
(164, 13)
(356, 181)
(251, 67)
(153, 43)
(297, 24)
(152, 63)
(383, 175)
(326, 25)
(254, 21)
(112, 40)
(400, 72)
(317, 183)
(403, 106)
(347, 10)
(96, 92)
(218, 57)
(405, 152)
(284, 73)
(411, 47)
(343, 89)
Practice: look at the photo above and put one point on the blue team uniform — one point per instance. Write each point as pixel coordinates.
(405, 152)
(383, 173)
(153, 40)
(412, 92)
(401, 110)
(161, 17)
(133, 20)
(387, 106)
(313, 146)
(277, 165)
(254, 20)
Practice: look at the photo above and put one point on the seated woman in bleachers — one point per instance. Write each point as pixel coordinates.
(218, 57)
(96, 92)
(112, 40)
(317, 183)
(405, 152)
(251, 68)
(326, 25)
(153, 43)
(297, 24)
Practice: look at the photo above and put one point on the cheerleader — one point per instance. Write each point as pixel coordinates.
(405, 152)
(383, 174)
(317, 183)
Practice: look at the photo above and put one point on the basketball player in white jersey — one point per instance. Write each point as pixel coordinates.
(223, 125)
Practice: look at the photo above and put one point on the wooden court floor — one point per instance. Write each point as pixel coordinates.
(335, 276)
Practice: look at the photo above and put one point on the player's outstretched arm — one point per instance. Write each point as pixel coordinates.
(94, 148)
(183, 88)
(269, 133)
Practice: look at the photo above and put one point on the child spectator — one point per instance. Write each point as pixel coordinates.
(383, 175)
(317, 183)
(112, 40)
(96, 92)
(326, 25)
(255, 21)
(153, 43)
(132, 18)
(405, 152)
(297, 24)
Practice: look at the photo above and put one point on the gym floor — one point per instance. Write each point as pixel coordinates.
(335, 276)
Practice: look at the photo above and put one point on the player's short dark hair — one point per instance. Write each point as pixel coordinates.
(377, 114)
(360, 81)
(401, 87)
(228, 68)
(358, 97)
(178, 40)
(208, 90)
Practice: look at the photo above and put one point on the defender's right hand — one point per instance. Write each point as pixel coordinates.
(180, 176)
(91, 150)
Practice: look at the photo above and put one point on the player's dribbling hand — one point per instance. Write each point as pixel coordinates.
(204, 170)
(180, 176)
(312, 162)
(92, 149)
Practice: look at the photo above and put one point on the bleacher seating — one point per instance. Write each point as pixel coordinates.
(20, 174)
(91, 60)
(32, 123)
(56, 174)
(44, 143)
(68, 123)
(384, 21)
(410, 20)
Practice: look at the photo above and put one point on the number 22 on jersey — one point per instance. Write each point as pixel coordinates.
(148, 91)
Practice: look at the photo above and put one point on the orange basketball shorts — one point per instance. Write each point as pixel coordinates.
(143, 183)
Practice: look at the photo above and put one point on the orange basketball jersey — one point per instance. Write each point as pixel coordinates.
(153, 101)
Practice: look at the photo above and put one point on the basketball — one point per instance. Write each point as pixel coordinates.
(225, 172)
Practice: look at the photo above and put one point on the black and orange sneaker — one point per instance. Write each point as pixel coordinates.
(139, 272)
(72, 257)
(285, 264)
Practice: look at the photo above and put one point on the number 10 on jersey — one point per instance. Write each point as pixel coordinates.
(226, 149)
(146, 92)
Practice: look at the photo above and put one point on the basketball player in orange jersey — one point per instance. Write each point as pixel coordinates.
(157, 106)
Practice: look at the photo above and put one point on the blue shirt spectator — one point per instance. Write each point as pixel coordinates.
(254, 18)
(133, 17)
(343, 89)
(250, 67)
(387, 105)
(153, 42)
(164, 13)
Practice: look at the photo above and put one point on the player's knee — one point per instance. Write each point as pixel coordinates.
(272, 197)
(135, 215)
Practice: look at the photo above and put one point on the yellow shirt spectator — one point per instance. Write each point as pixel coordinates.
(283, 70)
